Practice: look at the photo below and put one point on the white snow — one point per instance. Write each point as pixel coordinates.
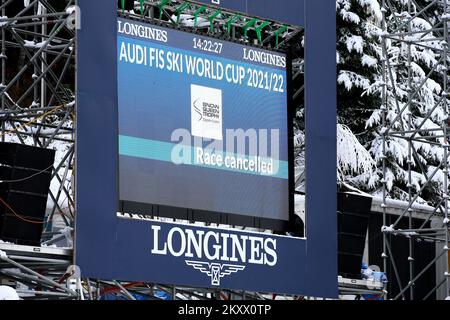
(35, 45)
(388, 229)
(352, 157)
(2, 23)
(408, 234)
(11, 100)
(49, 246)
(368, 61)
(351, 79)
(421, 24)
(374, 119)
(350, 16)
(373, 6)
(188, 20)
(8, 293)
(354, 43)
(70, 10)
(61, 149)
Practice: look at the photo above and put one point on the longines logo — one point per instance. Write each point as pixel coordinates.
(215, 253)
(206, 112)
(215, 270)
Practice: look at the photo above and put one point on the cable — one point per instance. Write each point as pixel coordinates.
(19, 216)
(26, 178)
(32, 121)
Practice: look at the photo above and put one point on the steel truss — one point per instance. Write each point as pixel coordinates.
(223, 24)
(218, 22)
(397, 31)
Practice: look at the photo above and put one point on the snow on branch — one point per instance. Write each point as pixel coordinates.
(352, 157)
(354, 43)
(373, 7)
(351, 79)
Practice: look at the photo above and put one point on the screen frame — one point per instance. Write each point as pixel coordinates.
(101, 241)
(217, 217)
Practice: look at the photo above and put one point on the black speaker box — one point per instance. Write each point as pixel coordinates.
(25, 173)
(353, 220)
(424, 252)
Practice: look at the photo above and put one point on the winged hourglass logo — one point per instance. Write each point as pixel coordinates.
(215, 270)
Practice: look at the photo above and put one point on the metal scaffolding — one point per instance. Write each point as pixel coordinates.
(37, 108)
(398, 31)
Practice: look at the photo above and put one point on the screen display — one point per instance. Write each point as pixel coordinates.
(203, 123)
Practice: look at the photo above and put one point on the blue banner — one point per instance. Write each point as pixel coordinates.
(209, 257)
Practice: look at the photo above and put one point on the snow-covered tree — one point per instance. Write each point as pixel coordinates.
(358, 67)
(360, 103)
(358, 56)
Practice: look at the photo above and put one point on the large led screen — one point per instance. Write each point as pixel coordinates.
(203, 123)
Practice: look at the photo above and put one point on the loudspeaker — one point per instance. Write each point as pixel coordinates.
(423, 251)
(25, 174)
(353, 220)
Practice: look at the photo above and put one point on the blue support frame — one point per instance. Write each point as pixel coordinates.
(101, 248)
